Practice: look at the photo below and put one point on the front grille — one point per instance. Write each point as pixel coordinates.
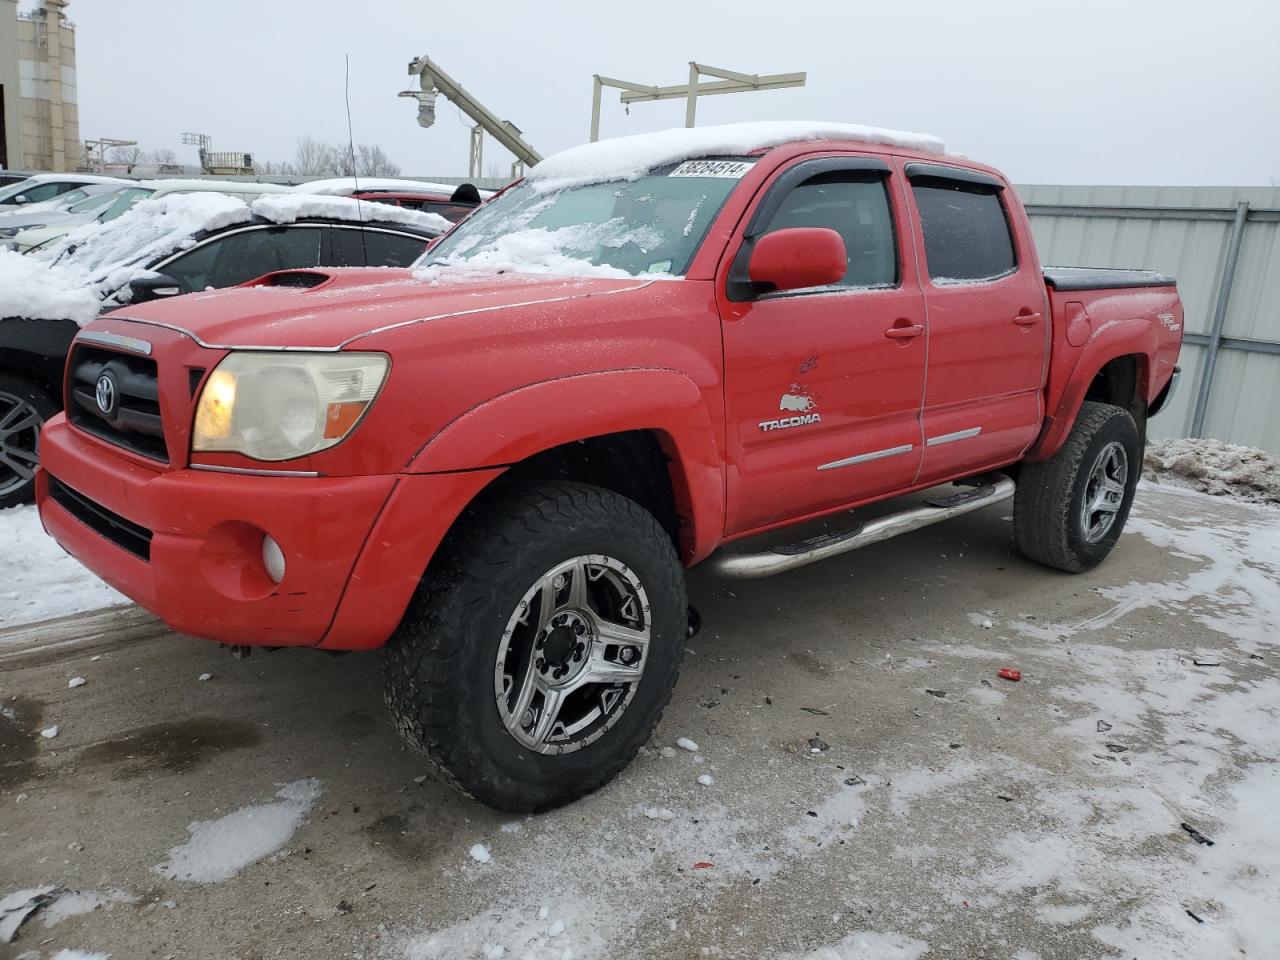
(123, 533)
(131, 418)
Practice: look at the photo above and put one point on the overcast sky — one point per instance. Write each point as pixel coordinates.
(1087, 91)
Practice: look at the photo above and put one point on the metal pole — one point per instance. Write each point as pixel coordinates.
(595, 109)
(1219, 318)
(691, 105)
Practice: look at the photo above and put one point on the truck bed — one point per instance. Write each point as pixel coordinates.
(1103, 278)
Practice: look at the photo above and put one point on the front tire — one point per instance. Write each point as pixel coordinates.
(543, 644)
(24, 410)
(1069, 510)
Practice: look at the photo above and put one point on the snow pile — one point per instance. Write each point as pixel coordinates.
(290, 207)
(38, 291)
(48, 582)
(480, 853)
(534, 250)
(66, 954)
(1217, 468)
(629, 158)
(219, 849)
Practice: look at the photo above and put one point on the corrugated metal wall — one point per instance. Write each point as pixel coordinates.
(1186, 231)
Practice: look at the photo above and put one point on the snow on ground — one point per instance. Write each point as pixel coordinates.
(628, 158)
(1215, 467)
(42, 581)
(219, 849)
(1086, 836)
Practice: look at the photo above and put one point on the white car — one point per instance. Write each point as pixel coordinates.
(28, 240)
(46, 186)
(73, 207)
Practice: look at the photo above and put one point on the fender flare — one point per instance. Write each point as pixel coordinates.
(1121, 338)
(500, 432)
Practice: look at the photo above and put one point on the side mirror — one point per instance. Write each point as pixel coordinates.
(797, 257)
(20, 199)
(153, 288)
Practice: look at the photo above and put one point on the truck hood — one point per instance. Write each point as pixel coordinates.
(346, 303)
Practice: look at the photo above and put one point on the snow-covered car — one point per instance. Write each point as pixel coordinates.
(73, 207)
(167, 246)
(46, 186)
(132, 192)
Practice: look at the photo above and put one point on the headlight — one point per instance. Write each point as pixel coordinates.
(278, 406)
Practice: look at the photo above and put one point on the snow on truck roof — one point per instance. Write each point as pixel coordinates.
(68, 279)
(628, 158)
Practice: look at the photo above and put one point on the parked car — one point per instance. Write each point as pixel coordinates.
(46, 186)
(177, 244)
(73, 207)
(651, 353)
(423, 195)
(10, 177)
(35, 237)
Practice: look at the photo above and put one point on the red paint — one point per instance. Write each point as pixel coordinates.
(1009, 673)
(703, 865)
(486, 373)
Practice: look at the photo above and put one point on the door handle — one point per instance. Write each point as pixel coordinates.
(904, 331)
(1026, 319)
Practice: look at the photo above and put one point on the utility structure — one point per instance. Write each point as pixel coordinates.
(222, 163)
(433, 81)
(728, 81)
(95, 151)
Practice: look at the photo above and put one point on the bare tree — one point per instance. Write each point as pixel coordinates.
(372, 161)
(164, 157)
(318, 158)
(128, 157)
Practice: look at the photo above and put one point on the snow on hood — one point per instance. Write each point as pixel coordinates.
(628, 158)
(288, 207)
(29, 288)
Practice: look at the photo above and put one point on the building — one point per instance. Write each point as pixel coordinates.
(39, 119)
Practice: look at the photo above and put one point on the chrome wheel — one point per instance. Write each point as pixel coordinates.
(1104, 491)
(20, 424)
(572, 654)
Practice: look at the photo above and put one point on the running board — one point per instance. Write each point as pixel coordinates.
(992, 488)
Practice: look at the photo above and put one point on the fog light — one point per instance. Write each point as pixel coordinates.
(273, 559)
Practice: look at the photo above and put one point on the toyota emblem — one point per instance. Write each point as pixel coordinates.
(105, 395)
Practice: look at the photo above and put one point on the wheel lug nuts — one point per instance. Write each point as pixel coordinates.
(579, 629)
(628, 654)
(526, 720)
(559, 581)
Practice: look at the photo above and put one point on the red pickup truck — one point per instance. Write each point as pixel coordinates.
(498, 464)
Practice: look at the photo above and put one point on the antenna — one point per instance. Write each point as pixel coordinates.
(351, 146)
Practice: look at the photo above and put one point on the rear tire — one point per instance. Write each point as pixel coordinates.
(1069, 510)
(24, 410)
(541, 647)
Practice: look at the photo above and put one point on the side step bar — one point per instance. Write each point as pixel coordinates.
(992, 488)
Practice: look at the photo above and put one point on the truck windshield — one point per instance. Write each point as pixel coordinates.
(651, 225)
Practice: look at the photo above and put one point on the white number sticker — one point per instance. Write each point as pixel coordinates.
(726, 169)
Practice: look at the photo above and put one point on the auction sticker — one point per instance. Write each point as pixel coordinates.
(727, 169)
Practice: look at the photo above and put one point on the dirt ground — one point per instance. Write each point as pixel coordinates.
(878, 792)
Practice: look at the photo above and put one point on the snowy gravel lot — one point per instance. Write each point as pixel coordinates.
(863, 786)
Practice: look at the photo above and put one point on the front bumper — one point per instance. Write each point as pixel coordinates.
(187, 544)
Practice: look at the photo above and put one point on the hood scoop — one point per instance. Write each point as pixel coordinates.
(292, 278)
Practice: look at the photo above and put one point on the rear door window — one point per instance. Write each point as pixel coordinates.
(966, 232)
(353, 247)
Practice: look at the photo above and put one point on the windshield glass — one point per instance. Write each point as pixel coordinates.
(650, 225)
(95, 202)
(125, 200)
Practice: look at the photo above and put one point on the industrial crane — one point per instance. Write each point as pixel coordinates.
(434, 81)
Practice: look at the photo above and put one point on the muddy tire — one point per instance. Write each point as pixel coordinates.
(24, 409)
(1069, 510)
(541, 647)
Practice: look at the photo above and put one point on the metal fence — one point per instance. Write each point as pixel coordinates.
(1222, 245)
